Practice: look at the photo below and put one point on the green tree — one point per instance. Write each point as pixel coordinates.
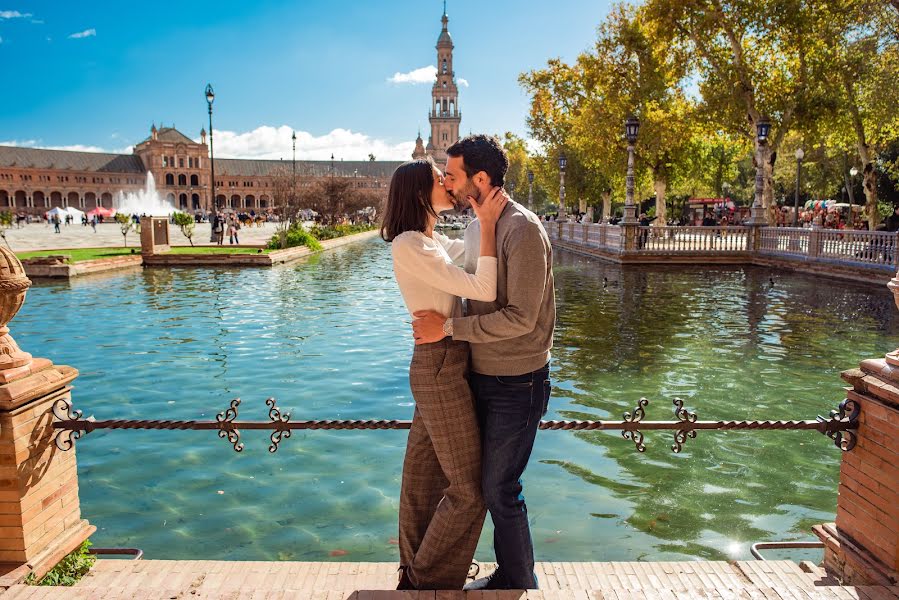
(751, 60)
(580, 109)
(125, 225)
(7, 218)
(860, 46)
(187, 224)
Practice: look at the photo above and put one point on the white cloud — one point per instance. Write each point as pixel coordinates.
(422, 75)
(462, 82)
(13, 14)
(273, 143)
(83, 34)
(267, 142)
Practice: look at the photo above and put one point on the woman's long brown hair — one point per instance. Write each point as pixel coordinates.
(409, 199)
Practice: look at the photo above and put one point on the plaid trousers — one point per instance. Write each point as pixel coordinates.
(441, 507)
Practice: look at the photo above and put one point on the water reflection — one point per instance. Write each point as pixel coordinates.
(329, 338)
(735, 343)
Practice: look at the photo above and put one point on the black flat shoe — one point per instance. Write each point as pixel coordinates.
(405, 583)
(494, 581)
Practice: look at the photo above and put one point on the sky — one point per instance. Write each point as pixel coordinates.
(349, 77)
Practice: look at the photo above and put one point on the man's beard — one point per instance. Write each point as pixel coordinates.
(460, 198)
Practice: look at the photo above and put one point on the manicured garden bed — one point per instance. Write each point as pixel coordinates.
(81, 254)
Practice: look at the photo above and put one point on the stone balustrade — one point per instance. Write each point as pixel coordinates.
(858, 255)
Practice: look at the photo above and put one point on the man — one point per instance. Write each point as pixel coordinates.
(510, 342)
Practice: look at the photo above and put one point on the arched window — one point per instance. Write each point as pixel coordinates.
(195, 201)
(182, 201)
(194, 180)
(444, 65)
(169, 179)
(182, 179)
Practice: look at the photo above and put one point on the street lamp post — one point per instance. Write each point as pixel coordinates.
(563, 163)
(210, 96)
(293, 180)
(631, 128)
(530, 190)
(757, 215)
(800, 154)
(851, 191)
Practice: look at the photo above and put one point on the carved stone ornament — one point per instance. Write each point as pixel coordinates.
(13, 286)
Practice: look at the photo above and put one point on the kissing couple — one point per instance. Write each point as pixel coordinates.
(484, 313)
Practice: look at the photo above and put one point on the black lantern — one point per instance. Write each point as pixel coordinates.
(563, 162)
(530, 177)
(210, 95)
(631, 127)
(763, 128)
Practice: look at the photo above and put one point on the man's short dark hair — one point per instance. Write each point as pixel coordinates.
(482, 153)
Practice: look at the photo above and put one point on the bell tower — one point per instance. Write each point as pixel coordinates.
(444, 115)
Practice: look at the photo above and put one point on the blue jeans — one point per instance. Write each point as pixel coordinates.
(509, 410)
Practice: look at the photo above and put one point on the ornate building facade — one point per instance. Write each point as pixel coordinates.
(444, 115)
(33, 180)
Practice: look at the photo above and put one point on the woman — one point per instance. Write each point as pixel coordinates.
(441, 509)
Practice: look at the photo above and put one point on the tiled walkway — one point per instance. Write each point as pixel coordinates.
(219, 580)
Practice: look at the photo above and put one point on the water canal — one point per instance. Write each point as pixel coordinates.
(329, 339)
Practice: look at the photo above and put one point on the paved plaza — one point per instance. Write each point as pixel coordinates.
(38, 236)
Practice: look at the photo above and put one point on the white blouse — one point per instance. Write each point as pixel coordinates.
(429, 280)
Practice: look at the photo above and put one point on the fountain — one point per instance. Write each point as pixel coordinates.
(143, 202)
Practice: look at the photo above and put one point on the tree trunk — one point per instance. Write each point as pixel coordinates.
(660, 184)
(869, 183)
(606, 205)
(762, 157)
(870, 186)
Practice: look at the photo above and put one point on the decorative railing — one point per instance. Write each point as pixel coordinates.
(693, 239)
(784, 240)
(874, 251)
(871, 247)
(840, 426)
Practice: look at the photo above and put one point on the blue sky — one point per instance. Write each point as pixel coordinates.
(97, 74)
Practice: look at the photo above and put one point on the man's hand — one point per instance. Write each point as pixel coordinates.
(427, 327)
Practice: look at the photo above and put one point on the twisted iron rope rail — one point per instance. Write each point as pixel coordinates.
(839, 426)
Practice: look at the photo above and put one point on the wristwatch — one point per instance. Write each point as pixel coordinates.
(448, 327)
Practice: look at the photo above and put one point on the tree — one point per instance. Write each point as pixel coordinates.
(285, 200)
(7, 218)
(751, 60)
(187, 224)
(580, 109)
(860, 45)
(125, 225)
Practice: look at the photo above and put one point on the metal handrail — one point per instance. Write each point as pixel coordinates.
(839, 426)
(754, 549)
(137, 553)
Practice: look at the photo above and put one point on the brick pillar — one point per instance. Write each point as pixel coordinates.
(154, 235)
(40, 517)
(862, 545)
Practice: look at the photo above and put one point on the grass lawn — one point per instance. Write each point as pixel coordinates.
(81, 254)
(214, 250)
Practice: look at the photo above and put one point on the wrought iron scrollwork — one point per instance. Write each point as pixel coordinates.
(226, 420)
(684, 417)
(846, 412)
(840, 426)
(65, 438)
(635, 435)
(274, 414)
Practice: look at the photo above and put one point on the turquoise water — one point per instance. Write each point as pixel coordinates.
(329, 338)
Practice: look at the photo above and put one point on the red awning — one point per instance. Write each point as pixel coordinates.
(101, 211)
